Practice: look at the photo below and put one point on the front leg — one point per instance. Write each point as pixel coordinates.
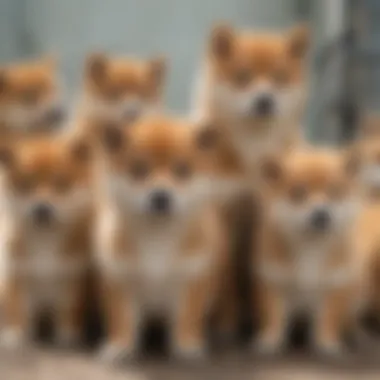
(273, 320)
(17, 316)
(276, 274)
(332, 319)
(70, 312)
(121, 322)
(189, 324)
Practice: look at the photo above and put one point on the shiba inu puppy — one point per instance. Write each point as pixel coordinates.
(47, 187)
(160, 243)
(119, 89)
(256, 84)
(306, 260)
(30, 98)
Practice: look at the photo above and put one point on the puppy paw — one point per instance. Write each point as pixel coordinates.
(12, 338)
(67, 338)
(116, 354)
(268, 345)
(190, 352)
(330, 349)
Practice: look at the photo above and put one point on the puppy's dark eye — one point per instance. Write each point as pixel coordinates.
(139, 169)
(242, 77)
(182, 170)
(298, 193)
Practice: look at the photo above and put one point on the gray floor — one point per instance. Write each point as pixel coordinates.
(42, 364)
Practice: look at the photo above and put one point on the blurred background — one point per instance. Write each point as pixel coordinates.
(344, 66)
(344, 75)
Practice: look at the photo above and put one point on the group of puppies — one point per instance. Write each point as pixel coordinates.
(148, 202)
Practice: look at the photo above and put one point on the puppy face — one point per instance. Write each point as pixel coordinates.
(121, 90)
(48, 183)
(161, 168)
(258, 76)
(314, 193)
(30, 95)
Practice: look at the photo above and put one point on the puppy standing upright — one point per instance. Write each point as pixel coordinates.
(255, 85)
(160, 245)
(47, 187)
(306, 260)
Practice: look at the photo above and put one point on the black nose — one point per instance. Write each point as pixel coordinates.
(43, 214)
(264, 106)
(321, 219)
(160, 202)
(55, 116)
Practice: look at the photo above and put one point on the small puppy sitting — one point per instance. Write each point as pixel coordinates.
(120, 90)
(306, 260)
(30, 98)
(47, 189)
(159, 242)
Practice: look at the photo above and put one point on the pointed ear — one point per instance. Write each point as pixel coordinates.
(207, 137)
(157, 68)
(299, 41)
(96, 67)
(222, 42)
(3, 80)
(272, 171)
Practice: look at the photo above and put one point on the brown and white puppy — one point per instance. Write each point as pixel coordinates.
(306, 259)
(160, 244)
(256, 84)
(120, 90)
(48, 193)
(30, 98)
